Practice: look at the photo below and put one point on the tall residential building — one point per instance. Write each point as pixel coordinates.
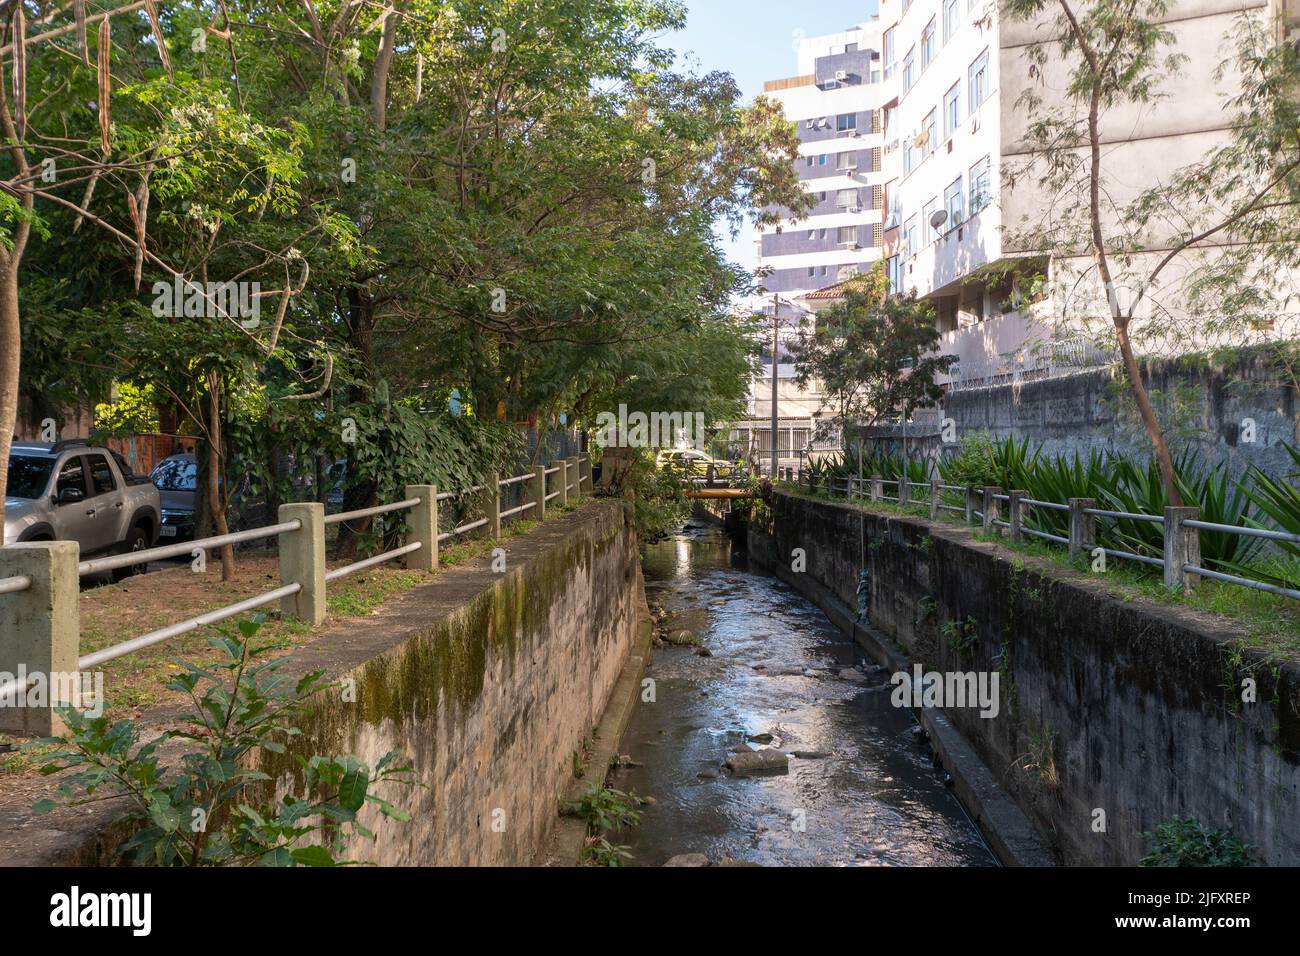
(954, 128)
(835, 103)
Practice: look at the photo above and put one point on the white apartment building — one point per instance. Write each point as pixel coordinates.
(952, 128)
(834, 100)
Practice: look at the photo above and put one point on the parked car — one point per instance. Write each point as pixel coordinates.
(72, 491)
(177, 481)
(693, 464)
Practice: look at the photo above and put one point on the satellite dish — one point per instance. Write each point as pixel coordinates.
(938, 218)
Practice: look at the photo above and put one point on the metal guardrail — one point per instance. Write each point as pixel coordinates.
(19, 583)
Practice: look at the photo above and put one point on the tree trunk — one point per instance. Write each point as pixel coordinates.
(215, 503)
(10, 355)
(1148, 413)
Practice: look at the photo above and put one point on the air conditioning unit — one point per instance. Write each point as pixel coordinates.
(841, 75)
(922, 139)
(855, 209)
(854, 133)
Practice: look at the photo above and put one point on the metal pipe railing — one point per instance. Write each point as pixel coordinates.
(370, 512)
(372, 561)
(20, 582)
(132, 558)
(184, 627)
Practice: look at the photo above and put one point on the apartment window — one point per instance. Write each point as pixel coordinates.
(931, 132)
(812, 272)
(847, 272)
(847, 198)
(812, 235)
(848, 234)
(978, 81)
(850, 48)
(980, 192)
(894, 269)
(909, 69)
(823, 235)
(909, 235)
(811, 160)
(887, 51)
(846, 161)
(893, 215)
(952, 110)
(955, 203)
(909, 156)
(950, 21)
(846, 121)
(821, 160)
(907, 5)
(927, 44)
(927, 212)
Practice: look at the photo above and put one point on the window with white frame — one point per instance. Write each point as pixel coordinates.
(846, 121)
(980, 187)
(847, 198)
(977, 81)
(848, 234)
(952, 110)
(951, 19)
(887, 52)
(932, 132)
(955, 202)
(909, 69)
(927, 213)
(846, 160)
(909, 235)
(928, 45)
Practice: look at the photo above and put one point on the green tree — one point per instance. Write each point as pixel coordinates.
(875, 354)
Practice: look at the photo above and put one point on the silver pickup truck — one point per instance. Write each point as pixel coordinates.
(71, 491)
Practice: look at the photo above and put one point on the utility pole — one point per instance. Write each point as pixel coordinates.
(776, 323)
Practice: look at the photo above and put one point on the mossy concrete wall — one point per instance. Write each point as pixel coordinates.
(495, 683)
(486, 681)
(1130, 707)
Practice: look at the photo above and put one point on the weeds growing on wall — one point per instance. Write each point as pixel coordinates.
(210, 806)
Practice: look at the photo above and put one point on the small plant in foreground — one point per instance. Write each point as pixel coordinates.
(208, 806)
(1187, 842)
(605, 808)
(598, 851)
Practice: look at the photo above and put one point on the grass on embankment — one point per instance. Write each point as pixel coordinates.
(1271, 621)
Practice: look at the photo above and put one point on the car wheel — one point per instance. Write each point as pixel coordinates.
(136, 540)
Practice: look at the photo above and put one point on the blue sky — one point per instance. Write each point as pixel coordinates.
(754, 41)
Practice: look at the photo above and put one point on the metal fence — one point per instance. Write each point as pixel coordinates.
(300, 541)
(1180, 560)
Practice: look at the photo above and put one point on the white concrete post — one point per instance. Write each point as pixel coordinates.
(571, 476)
(972, 504)
(537, 493)
(1182, 547)
(904, 492)
(936, 496)
(423, 520)
(990, 507)
(302, 561)
(877, 487)
(1015, 514)
(1083, 527)
(584, 480)
(39, 630)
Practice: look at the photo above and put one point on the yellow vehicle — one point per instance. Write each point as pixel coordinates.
(692, 464)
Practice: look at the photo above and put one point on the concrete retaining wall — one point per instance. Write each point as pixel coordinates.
(1203, 406)
(488, 681)
(1129, 707)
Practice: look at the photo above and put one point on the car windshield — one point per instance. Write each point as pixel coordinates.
(28, 476)
(176, 474)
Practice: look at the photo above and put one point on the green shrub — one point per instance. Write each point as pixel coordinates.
(1186, 842)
